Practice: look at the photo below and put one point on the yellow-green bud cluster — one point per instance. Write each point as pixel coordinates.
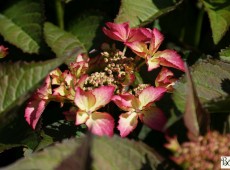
(140, 88)
(98, 79)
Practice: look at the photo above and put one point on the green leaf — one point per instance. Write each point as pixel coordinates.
(82, 153)
(219, 105)
(141, 12)
(47, 159)
(17, 79)
(117, 153)
(61, 42)
(88, 28)
(225, 54)
(107, 153)
(195, 118)
(4, 147)
(219, 16)
(210, 78)
(16, 132)
(21, 25)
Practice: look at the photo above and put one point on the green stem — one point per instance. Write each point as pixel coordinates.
(124, 50)
(198, 27)
(140, 65)
(60, 13)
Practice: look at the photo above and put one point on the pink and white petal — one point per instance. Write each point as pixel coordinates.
(84, 100)
(111, 35)
(34, 110)
(136, 34)
(103, 96)
(150, 95)
(164, 76)
(147, 32)
(127, 123)
(101, 123)
(124, 101)
(170, 58)
(81, 117)
(60, 91)
(152, 63)
(153, 118)
(158, 38)
(139, 48)
(45, 90)
(81, 80)
(117, 32)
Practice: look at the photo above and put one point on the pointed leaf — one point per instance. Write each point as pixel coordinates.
(219, 16)
(84, 161)
(210, 79)
(17, 79)
(61, 42)
(87, 28)
(16, 36)
(138, 12)
(195, 118)
(21, 25)
(107, 153)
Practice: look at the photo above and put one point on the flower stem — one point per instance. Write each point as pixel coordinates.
(198, 27)
(124, 50)
(140, 65)
(60, 13)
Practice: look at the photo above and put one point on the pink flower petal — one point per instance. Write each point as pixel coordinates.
(164, 76)
(81, 80)
(165, 79)
(45, 90)
(84, 100)
(81, 117)
(116, 31)
(147, 32)
(101, 123)
(136, 34)
(153, 63)
(139, 48)
(156, 40)
(103, 96)
(150, 94)
(34, 110)
(170, 58)
(124, 101)
(154, 118)
(127, 123)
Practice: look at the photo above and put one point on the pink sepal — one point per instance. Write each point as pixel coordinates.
(101, 123)
(150, 95)
(170, 58)
(127, 123)
(124, 101)
(33, 111)
(154, 118)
